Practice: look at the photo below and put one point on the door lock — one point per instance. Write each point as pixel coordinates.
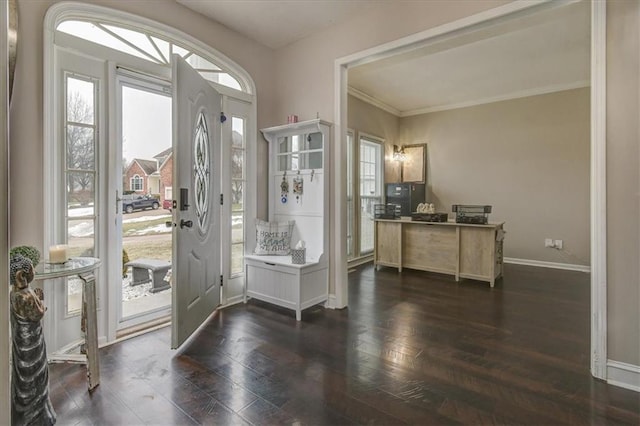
(186, 223)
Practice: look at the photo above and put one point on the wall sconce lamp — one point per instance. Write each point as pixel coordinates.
(398, 153)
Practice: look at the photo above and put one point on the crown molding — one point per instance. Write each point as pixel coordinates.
(373, 101)
(359, 94)
(506, 97)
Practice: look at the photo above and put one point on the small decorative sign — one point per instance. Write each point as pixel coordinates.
(284, 189)
(298, 186)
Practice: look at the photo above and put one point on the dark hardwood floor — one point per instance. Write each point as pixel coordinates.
(412, 348)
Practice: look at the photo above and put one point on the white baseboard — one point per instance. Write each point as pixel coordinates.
(233, 301)
(331, 302)
(623, 375)
(544, 264)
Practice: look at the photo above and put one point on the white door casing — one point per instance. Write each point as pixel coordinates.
(196, 182)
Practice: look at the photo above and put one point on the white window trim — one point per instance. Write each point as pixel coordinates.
(134, 181)
(358, 255)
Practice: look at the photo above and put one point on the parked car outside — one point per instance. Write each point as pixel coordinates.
(133, 202)
(167, 204)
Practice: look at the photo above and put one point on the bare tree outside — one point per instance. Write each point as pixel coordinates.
(80, 147)
(237, 168)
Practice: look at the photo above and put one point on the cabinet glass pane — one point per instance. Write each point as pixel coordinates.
(283, 145)
(283, 163)
(315, 160)
(297, 143)
(314, 141)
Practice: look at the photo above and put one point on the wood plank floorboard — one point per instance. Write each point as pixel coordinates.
(413, 348)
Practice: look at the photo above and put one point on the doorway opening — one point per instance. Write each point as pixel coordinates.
(597, 189)
(144, 124)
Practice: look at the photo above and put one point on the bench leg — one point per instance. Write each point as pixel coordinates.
(159, 284)
(140, 275)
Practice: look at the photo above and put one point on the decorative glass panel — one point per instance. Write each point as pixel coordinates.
(137, 39)
(146, 46)
(91, 32)
(199, 63)
(201, 171)
(80, 148)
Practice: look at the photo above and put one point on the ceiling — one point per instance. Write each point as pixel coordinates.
(277, 23)
(525, 55)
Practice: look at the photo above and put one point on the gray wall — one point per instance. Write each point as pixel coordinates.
(364, 117)
(527, 157)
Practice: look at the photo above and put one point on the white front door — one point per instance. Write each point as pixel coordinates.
(196, 187)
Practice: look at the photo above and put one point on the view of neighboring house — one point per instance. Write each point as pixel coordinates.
(150, 176)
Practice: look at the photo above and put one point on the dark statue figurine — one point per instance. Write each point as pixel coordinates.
(30, 403)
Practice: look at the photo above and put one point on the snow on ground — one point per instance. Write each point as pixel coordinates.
(157, 229)
(146, 218)
(82, 211)
(82, 229)
(129, 292)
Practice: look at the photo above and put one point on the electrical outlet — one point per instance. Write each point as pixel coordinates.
(557, 244)
(548, 242)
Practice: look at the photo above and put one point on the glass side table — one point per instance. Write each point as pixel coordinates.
(84, 268)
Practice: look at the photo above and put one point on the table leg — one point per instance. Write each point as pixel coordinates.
(90, 322)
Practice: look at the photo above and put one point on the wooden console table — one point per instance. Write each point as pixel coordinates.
(83, 267)
(462, 250)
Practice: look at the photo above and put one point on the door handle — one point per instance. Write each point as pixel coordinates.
(186, 223)
(184, 199)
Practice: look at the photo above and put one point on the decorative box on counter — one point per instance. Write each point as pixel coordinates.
(298, 256)
(386, 211)
(478, 215)
(430, 217)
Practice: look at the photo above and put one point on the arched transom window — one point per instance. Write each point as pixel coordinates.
(151, 47)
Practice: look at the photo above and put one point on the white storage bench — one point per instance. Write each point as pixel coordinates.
(276, 280)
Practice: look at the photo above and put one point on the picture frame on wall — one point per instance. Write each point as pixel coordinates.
(414, 165)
